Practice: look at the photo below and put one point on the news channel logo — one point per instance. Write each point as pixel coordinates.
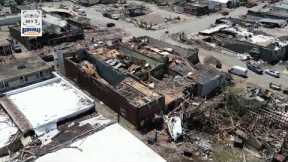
(31, 23)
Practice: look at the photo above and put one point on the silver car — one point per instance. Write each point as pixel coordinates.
(273, 73)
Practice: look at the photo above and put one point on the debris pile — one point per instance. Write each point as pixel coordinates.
(233, 123)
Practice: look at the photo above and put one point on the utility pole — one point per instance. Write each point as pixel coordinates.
(37, 3)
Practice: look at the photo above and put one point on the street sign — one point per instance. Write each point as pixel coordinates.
(31, 23)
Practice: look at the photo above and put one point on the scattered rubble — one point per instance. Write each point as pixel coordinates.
(184, 106)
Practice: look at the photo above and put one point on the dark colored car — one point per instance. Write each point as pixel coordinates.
(17, 48)
(255, 68)
(285, 91)
(109, 25)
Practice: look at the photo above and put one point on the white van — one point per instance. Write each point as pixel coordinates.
(238, 70)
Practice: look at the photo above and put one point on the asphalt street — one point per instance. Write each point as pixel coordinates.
(191, 24)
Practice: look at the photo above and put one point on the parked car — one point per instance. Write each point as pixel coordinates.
(245, 57)
(17, 48)
(109, 25)
(285, 91)
(76, 8)
(82, 12)
(112, 15)
(62, 6)
(225, 12)
(273, 73)
(238, 70)
(255, 68)
(275, 86)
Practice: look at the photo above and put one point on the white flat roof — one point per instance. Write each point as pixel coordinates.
(214, 29)
(221, 1)
(49, 19)
(112, 144)
(48, 102)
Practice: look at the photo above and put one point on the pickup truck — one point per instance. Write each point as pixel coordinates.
(255, 68)
(275, 86)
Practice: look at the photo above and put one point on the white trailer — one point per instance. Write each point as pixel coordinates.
(238, 70)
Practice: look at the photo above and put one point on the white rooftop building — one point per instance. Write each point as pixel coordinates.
(112, 144)
(46, 103)
(212, 4)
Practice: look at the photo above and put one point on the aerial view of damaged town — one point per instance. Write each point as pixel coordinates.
(143, 80)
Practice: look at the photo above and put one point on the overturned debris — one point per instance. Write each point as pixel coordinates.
(174, 127)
